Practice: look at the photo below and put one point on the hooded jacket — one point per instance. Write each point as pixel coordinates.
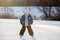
(30, 20)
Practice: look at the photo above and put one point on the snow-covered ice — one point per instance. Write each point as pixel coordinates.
(43, 30)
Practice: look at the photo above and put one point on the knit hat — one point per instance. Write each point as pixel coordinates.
(27, 10)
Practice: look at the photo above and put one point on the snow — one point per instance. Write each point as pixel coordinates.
(43, 30)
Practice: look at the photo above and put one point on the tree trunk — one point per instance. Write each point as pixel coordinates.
(45, 12)
(49, 12)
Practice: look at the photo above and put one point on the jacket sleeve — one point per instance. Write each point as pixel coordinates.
(31, 20)
(21, 20)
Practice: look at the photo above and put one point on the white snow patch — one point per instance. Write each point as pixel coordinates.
(43, 30)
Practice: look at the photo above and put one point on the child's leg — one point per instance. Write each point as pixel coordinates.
(30, 30)
(22, 31)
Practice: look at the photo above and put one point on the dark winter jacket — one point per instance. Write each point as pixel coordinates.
(30, 20)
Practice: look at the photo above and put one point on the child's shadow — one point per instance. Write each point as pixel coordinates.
(33, 38)
(21, 38)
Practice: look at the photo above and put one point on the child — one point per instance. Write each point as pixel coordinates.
(26, 21)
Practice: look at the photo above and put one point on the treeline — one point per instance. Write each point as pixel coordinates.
(8, 16)
(49, 13)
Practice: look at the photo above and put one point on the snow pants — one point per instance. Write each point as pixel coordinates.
(29, 30)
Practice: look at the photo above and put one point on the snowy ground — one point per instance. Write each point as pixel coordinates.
(43, 30)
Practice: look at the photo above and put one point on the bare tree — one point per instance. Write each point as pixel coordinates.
(58, 12)
(46, 11)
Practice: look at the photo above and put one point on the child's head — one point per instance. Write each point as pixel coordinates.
(27, 13)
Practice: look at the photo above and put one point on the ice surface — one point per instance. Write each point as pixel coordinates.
(43, 30)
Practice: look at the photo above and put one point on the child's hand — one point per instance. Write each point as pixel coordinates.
(23, 22)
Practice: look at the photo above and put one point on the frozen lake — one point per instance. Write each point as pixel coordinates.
(43, 30)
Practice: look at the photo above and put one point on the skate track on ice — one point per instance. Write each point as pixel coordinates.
(43, 30)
